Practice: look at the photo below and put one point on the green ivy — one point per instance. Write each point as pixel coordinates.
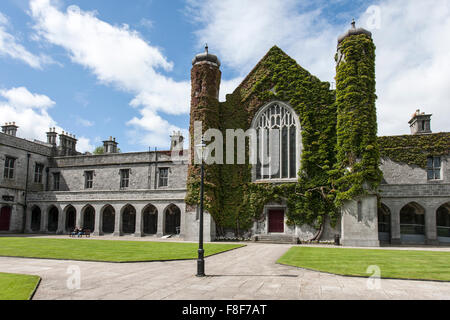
(356, 171)
(414, 149)
(330, 142)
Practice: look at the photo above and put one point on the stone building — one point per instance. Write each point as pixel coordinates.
(51, 188)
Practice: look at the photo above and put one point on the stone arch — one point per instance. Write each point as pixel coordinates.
(443, 222)
(172, 219)
(384, 223)
(71, 217)
(52, 218)
(280, 116)
(412, 223)
(36, 216)
(88, 214)
(108, 218)
(128, 219)
(150, 219)
(5, 218)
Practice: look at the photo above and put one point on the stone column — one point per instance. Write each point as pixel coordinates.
(395, 225)
(28, 220)
(98, 220)
(44, 219)
(161, 220)
(79, 216)
(61, 221)
(431, 226)
(139, 229)
(118, 223)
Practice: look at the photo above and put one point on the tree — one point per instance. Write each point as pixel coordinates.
(99, 150)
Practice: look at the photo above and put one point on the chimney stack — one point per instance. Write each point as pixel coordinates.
(420, 123)
(10, 128)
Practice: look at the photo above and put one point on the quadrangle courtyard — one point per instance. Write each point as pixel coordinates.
(250, 272)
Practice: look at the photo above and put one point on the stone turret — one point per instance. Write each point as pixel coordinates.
(357, 137)
(67, 144)
(51, 137)
(420, 123)
(10, 128)
(205, 84)
(176, 141)
(110, 146)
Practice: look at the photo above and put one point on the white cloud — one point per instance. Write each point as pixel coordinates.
(117, 56)
(29, 112)
(21, 98)
(9, 46)
(84, 145)
(413, 69)
(84, 122)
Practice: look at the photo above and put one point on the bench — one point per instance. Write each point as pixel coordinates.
(84, 232)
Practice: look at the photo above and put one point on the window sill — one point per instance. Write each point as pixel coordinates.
(290, 180)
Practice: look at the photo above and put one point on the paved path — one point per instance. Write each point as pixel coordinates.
(245, 273)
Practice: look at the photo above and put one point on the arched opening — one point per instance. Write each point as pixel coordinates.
(5, 218)
(71, 218)
(128, 219)
(172, 219)
(412, 223)
(443, 222)
(150, 215)
(53, 214)
(89, 218)
(384, 223)
(109, 219)
(278, 142)
(36, 219)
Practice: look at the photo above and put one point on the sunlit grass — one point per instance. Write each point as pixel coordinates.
(401, 264)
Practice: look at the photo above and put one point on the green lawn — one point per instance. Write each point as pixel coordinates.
(104, 250)
(17, 286)
(424, 265)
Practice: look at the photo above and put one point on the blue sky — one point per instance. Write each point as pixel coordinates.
(99, 68)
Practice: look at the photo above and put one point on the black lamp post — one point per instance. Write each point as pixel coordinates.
(201, 261)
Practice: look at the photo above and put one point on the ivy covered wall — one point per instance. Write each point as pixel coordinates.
(358, 158)
(237, 202)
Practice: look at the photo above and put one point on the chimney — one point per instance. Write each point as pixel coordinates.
(176, 141)
(67, 144)
(110, 146)
(10, 128)
(51, 137)
(420, 123)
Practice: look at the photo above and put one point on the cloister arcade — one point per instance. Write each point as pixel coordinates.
(413, 222)
(118, 219)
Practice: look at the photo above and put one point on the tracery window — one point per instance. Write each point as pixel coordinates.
(277, 129)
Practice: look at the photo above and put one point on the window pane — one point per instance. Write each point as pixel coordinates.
(437, 174)
(430, 162)
(430, 174)
(292, 155)
(437, 162)
(284, 152)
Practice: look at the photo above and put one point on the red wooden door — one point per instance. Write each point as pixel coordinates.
(5, 217)
(276, 221)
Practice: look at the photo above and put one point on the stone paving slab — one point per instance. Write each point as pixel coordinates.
(246, 273)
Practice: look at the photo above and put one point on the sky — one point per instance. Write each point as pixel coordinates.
(97, 68)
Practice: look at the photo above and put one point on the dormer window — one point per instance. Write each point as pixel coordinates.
(434, 168)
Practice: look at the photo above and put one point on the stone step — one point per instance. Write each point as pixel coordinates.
(275, 238)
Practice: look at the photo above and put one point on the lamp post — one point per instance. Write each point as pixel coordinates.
(200, 148)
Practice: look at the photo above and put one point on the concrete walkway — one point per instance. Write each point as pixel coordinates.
(245, 273)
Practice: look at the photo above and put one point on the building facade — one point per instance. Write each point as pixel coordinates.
(51, 188)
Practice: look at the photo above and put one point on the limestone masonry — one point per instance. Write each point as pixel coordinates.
(51, 188)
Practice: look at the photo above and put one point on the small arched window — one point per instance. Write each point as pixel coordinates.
(278, 142)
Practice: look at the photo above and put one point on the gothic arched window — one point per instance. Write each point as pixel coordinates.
(278, 142)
